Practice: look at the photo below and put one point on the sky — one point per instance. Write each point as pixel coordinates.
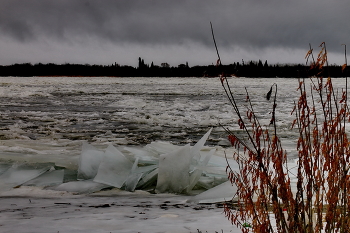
(120, 31)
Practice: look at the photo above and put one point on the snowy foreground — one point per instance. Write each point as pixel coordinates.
(30, 209)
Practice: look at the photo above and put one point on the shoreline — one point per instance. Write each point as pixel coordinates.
(107, 211)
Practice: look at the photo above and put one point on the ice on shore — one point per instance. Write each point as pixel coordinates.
(18, 174)
(89, 161)
(148, 179)
(50, 178)
(132, 181)
(158, 148)
(114, 168)
(159, 166)
(180, 170)
(81, 186)
(223, 192)
(4, 167)
(174, 167)
(144, 157)
(199, 168)
(199, 160)
(137, 173)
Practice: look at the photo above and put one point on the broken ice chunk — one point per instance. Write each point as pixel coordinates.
(4, 167)
(197, 172)
(197, 161)
(137, 174)
(144, 156)
(133, 178)
(223, 192)
(149, 179)
(217, 165)
(198, 146)
(80, 187)
(208, 181)
(158, 148)
(132, 181)
(54, 177)
(89, 162)
(114, 168)
(19, 174)
(173, 174)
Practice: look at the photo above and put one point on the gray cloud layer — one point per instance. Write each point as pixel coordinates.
(248, 26)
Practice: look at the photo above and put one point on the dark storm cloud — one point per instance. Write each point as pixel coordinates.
(249, 24)
(130, 21)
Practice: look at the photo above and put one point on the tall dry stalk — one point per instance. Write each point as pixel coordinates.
(265, 199)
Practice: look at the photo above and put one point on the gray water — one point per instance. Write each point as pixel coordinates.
(49, 117)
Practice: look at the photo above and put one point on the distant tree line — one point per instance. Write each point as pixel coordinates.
(243, 69)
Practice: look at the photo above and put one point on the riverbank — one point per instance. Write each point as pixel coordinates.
(32, 209)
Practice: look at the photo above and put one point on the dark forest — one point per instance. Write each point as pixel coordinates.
(243, 69)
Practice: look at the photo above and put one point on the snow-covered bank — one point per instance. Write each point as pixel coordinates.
(31, 209)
